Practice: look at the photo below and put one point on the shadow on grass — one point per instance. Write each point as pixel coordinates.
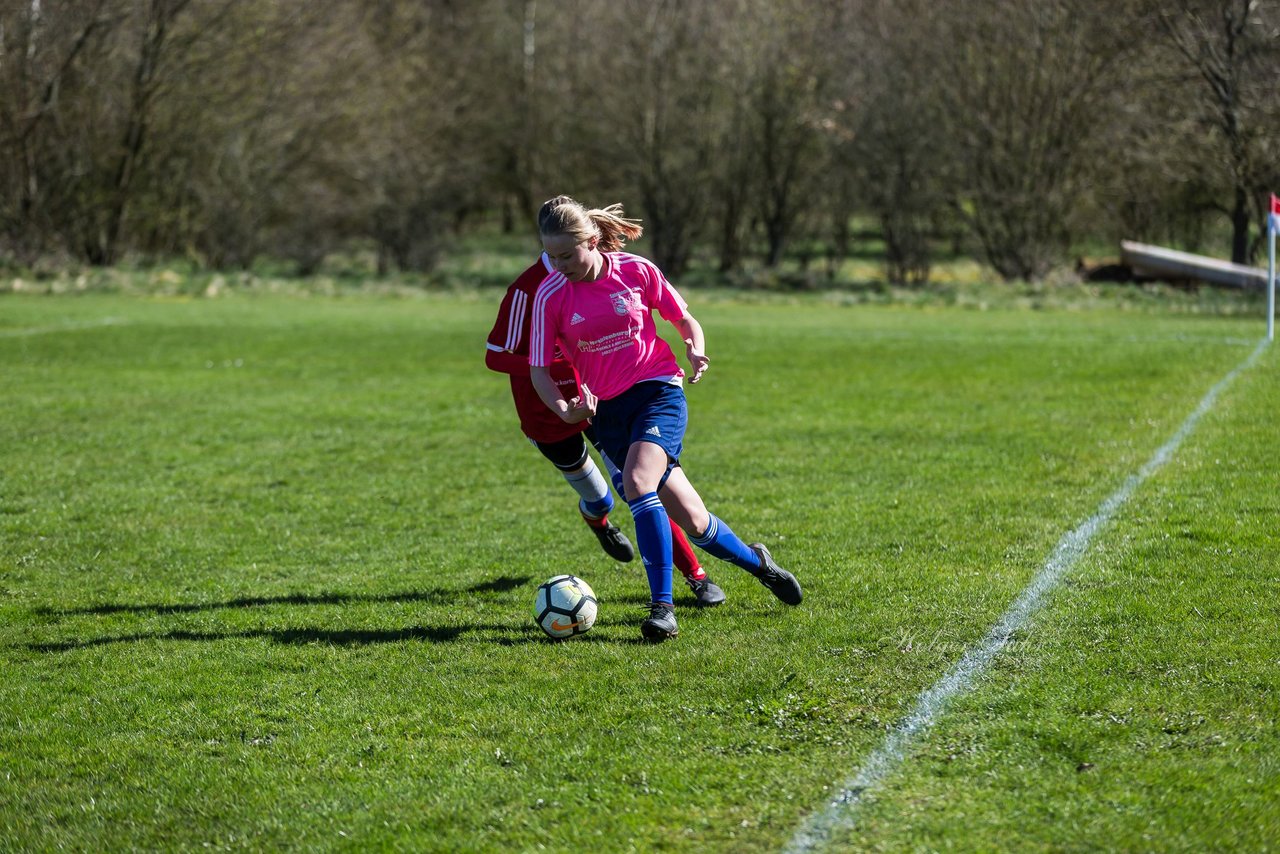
(296, 637)
(497, 585)
(508, 635)
(301, 636)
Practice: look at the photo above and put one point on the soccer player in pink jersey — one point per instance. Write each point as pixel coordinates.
(597, 309)
(507, 351)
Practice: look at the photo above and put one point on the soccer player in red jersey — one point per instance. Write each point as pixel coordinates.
(564, 445)
(596, 309)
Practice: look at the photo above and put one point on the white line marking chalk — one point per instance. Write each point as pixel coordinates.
(73, 326)
(840, 812)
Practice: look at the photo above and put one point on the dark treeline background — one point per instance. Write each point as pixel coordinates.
(740, 130)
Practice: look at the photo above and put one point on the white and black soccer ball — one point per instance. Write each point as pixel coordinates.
(565, 606)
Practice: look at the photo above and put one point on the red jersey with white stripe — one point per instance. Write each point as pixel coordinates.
(606, 326)
(507, 351)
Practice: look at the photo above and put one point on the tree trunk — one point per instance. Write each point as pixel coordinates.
(162, 13)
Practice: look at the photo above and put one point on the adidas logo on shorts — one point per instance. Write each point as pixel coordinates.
(653, 431)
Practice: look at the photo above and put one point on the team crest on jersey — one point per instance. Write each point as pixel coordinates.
(622, 301)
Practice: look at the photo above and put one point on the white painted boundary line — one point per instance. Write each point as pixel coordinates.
(841, 811)
(66, 327)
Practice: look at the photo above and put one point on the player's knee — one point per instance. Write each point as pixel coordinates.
(635, 484)
(571, 467)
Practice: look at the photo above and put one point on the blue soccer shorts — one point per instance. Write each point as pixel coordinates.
(647, 412)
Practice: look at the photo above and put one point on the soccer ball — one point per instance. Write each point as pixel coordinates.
(565, 606)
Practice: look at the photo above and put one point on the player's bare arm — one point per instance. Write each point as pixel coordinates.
(573, 411)
(695, 345)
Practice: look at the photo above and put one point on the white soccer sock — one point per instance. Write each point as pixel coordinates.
(591, 485)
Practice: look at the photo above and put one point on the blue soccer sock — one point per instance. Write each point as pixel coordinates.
(653, 536)
(720, 540)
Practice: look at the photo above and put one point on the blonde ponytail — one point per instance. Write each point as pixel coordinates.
(615, 229)
(563, 215)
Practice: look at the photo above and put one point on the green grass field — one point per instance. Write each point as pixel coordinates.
(267, 564)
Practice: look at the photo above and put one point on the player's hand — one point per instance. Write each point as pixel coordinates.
(698, 362)
(581, 407)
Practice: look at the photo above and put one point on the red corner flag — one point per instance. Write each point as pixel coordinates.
(1274, 219)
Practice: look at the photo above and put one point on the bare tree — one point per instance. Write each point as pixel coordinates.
(38, 53)
(660, 85)
(253, 141)
(790, 97)
(1232, 48)
(157, 27)
(891, 137)
(226, 130)
(1022, 85)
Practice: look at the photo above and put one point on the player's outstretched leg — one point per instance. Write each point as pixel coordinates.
(780, 582)
(720, 540)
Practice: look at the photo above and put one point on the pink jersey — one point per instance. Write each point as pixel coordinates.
(606, 327)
